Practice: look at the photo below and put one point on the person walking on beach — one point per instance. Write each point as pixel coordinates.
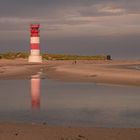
(74, 62)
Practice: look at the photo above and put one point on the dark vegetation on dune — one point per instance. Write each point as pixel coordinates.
(14, 55)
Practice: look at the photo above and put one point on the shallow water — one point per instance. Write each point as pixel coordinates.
(70, 104)
(136, 67)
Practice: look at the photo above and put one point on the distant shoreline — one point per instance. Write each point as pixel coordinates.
(25, 55)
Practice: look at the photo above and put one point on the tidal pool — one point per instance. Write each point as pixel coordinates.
(69, 103)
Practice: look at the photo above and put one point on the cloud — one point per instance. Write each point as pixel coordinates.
(111, 10)
(48, 8)
(66, 19)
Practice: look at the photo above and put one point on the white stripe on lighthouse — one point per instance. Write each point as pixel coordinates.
(35, 52)
(35, 40)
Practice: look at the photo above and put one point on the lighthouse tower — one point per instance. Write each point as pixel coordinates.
(35, 44)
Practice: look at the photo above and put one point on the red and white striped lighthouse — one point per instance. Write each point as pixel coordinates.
(35, 44)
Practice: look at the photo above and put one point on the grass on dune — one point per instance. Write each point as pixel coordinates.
(72, 57)
(14, 55)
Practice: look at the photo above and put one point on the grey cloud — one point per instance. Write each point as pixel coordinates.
(21, 24)
(53, 7)
(111, 8)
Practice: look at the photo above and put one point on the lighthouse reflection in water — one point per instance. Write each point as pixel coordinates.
(35, 92)
(56, 102)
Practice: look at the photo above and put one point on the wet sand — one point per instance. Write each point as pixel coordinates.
(109, 72)
(23, 131)
(18, 69)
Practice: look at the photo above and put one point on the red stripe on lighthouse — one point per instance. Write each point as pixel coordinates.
(35, 46)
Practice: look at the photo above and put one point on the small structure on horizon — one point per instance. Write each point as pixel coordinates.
(35, 44)
(108, 57)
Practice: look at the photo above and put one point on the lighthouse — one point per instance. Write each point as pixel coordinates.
(35, 44)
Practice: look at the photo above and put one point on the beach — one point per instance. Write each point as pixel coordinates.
(117, 72)
(108, 72)
(23, 131)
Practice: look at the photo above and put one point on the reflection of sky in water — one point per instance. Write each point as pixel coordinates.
(60, 103)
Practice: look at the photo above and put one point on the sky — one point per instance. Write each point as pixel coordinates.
(85, 27)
